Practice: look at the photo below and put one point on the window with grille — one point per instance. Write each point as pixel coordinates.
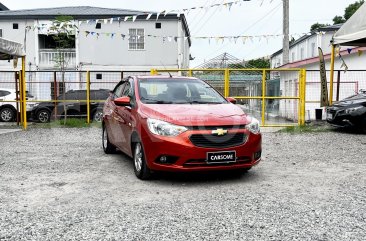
(136, 39)
(60, 88)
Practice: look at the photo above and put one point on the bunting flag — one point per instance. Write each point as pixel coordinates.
(349, 50)
(360, 52)
(178, 12)
(343, 65)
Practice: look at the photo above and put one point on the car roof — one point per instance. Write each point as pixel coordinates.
(164, 77)
(6, 89)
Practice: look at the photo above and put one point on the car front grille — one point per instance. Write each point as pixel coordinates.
(214, 141)
(227, 127)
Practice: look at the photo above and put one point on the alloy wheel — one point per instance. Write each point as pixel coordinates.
(43, 116)
(138, 157)
(7, 115)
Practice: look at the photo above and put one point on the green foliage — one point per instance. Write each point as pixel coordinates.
(352, 8)
(348, 12)
(292, 40)
(69, 123)
(338, 19)
(261, 63)
(316, 26)
(235, 66)
(63, 33)
(306, 129)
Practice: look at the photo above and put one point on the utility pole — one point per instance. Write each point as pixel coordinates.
(286, 27)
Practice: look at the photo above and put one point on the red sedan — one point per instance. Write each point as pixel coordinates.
(178, 124)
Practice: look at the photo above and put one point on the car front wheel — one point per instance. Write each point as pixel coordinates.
(142, 171)
(7, 114)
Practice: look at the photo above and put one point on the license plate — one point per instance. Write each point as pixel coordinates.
(221, 157)
(329, 116)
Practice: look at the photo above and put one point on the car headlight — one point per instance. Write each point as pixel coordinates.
(352, 109)
(163, 128)
(253, 126)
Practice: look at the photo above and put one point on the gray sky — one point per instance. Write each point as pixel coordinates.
(251, 18)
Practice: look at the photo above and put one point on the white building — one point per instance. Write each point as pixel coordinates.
(112, 42)
(304, 54)
(104, 40)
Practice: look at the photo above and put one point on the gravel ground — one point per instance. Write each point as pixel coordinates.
(57, 184)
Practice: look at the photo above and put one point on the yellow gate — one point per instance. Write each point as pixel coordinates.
(275, 96)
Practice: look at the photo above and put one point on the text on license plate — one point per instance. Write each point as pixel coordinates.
(221, 157)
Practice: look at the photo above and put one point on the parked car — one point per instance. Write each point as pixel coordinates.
(350, 112)
(76, 106)
(8, 104)
(178, 124)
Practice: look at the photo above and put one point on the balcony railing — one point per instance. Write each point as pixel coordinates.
(50, 58)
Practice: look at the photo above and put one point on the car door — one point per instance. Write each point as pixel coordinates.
(124, 116)
(110, 111)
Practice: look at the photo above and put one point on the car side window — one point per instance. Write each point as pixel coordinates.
(4, 93)
(126, 90)
(118, 90)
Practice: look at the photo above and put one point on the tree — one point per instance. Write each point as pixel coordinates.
(348, 12)
(352, 8)
(316, 26)
(338, 19)
(261, 63)
(292, 40)
(63, 33)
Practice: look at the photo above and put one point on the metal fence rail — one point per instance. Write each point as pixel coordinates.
(258, 91)
(277, 97)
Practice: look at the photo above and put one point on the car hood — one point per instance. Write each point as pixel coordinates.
(197, 114)
(353, 100)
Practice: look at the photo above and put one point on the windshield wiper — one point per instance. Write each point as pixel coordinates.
(204, 102)
(152, 101)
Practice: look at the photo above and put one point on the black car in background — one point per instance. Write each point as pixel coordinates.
(350, 112)
(76, 106)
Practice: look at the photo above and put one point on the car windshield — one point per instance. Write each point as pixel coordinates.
(178, 91)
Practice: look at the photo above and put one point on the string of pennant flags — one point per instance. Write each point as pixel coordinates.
(148, 15)
(349, 50)
(218, 39)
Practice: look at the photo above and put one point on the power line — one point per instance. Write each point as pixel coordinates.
(258, 21)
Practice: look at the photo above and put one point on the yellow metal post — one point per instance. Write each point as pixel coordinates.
(20, 96)
(331, 75)
(23, 95)
(153, 72)
(88, 96)
(263, 97)
(190, 73)
(302, 97)
(226, 83)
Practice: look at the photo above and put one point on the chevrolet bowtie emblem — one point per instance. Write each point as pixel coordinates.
(219, 132)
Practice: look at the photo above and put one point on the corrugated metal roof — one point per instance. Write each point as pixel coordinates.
(69, 11)
(87, 12)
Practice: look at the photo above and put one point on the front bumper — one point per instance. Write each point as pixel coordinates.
(339, 117)
(188, 157)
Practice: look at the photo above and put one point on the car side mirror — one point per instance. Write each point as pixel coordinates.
(123, 101)
(231, 100)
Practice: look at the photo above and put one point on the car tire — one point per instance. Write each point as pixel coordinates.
(363, 125)
(142, 171)
(7, 114)
(246, 169)
(43, 116)
(108, 147)
(98, 116)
